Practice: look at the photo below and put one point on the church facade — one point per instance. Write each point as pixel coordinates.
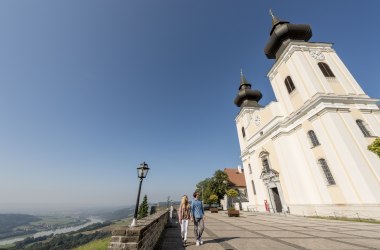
(306, 153)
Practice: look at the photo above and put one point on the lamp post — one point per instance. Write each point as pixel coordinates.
(142, 171)
(226, 186)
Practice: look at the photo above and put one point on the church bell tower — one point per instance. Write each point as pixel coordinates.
(307, 151)
(305, 69)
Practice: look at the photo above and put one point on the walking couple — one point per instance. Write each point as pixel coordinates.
(195, 213)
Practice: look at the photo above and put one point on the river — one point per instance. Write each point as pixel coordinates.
(56, 231)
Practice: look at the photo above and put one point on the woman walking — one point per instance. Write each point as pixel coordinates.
(184, 217)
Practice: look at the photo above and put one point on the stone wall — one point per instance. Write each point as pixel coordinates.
(144, 236)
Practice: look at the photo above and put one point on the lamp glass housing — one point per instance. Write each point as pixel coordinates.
(142, 170)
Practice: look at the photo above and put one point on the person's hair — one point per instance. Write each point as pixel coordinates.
(195, 194)
(184, 201)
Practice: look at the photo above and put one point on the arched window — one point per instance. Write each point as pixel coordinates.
(313, 138)
(250, 169)
(265, 162)
(327, 72)
(254, 188)
(326, 170)
(264, 156)
(243, 131)
(289, 84)
(364, 128)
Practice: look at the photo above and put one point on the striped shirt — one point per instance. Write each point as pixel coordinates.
(197, 210)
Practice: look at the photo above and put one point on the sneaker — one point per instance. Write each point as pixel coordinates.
(201, 241)
(197, 243)
(184, 243)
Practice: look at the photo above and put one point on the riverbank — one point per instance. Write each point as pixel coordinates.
(8, 242)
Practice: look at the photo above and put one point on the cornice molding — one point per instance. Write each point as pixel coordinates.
(297, 46)
(246, 110)
(318, 105)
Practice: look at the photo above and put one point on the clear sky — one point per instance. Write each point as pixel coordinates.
(90, 89)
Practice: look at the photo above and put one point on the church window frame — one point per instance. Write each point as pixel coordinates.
(265, 162)
(250, 168)
(326, 70)
(243, 132)
(330, 181)
(289, 84)
(313, 138)
(253, 187)
(363, 126)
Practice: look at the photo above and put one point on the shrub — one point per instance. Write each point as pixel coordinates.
(375, 146)
(231, 208)
(213, 198)
(232, 193)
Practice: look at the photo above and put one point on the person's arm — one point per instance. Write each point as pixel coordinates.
(192, 211)
(180, 213)
(203, 211)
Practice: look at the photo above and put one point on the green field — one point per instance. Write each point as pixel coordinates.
(101, 244)
(95, 233)
(57, 221)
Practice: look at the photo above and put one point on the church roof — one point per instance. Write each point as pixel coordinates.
(275, 21)
(246, 96)
(235, 177)
(282, 33)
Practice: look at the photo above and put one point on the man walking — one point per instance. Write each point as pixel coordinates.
(197, 215)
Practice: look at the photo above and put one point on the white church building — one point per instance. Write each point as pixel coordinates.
(306, 153)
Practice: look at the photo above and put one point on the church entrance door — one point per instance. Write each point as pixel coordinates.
(277, 200)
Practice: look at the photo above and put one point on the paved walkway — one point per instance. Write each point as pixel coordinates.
(264, 231)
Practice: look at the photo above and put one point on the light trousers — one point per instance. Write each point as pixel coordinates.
(184, 225)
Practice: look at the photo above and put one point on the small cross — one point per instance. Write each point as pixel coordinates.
(271, 13)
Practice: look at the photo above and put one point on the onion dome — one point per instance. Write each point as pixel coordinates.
(282, 33)
(246, 96)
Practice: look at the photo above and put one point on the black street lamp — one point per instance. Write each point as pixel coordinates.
(142, 171)
(225, 182)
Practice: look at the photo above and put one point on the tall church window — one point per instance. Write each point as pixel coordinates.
(364, 128)
(265, 163)
(250, 168)
(253, 186)
(313, 138)
(243, 132)
(289, 84)
(327, 72)
(326, 170)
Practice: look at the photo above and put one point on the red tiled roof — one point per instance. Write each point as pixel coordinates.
(235, 177)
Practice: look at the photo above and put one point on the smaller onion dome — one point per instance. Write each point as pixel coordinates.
(247, 97)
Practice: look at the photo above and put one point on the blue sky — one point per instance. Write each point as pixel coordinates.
(90, 89)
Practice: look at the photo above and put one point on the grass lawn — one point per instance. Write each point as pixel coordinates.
(7, 246)
(101, 244)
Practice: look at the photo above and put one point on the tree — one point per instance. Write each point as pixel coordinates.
(204, 190)
(375, 146)
(143, 209)
(232, 193)
(219, 183)
(213, 198)
(216, 185)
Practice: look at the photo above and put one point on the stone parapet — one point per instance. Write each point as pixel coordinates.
(143, 236)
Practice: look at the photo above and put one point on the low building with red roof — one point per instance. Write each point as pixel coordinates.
(236, 181)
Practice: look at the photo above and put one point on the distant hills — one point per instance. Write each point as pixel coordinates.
(10, 221)
(116, 215)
